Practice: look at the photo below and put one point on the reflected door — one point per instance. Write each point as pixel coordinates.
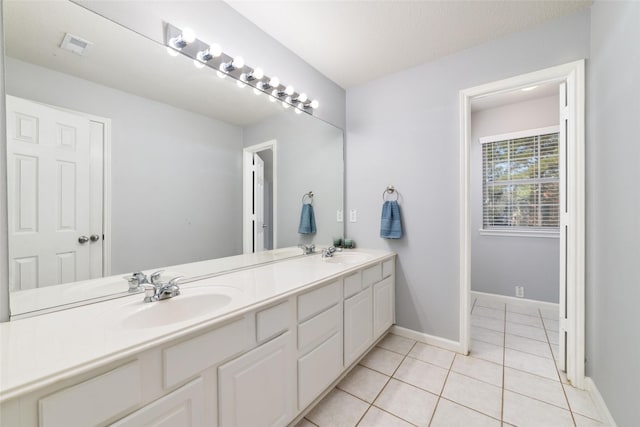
(258, 203)
(49, 184)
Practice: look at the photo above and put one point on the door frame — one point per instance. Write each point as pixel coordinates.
(575, 258)
(247, 193)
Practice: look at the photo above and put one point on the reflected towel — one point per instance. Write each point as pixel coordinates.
(307, 220)
(390, 225)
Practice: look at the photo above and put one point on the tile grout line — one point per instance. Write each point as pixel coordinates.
(435, 408)
(383, 387)
(555, 364)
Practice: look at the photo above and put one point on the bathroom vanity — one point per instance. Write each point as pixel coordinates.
(256, 347)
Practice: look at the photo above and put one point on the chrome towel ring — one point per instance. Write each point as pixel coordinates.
(308, 197)
(388, 191)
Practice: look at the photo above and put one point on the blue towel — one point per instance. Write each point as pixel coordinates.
(307, 220)
(390, 225)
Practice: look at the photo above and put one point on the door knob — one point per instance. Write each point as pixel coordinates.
(94, 237)
(83, 239)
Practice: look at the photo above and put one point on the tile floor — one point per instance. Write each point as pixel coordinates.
(509, 379)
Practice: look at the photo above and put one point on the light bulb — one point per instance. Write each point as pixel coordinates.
(171, 51)
(215, 50)
(298, 111)
(188, 36)
(289, 90)
(275, 93)
(238, 62)
(240, 84)
(257, 73)
(314, 104)
(274, 82)
(285, 105)
(302, 97)
(244, 77)
(272, 99)
(256, 91)
(198, 64)
(221, 74)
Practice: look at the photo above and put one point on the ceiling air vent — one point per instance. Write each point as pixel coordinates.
(75, 44)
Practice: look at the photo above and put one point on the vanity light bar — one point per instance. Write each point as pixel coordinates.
(184, 41)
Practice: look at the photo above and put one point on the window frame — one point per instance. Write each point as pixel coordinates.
(511, 231)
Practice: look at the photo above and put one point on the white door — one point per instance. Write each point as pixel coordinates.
(258, 203)
(49, 184)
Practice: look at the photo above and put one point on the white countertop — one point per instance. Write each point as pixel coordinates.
(41, 350)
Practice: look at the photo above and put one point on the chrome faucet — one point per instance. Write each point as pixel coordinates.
(328, 253)
(156, 290)
(137, 280)
(307, 249)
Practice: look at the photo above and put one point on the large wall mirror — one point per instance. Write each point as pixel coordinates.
(122, 158)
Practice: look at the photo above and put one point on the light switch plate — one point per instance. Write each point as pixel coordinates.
(339, 215)
(353, 216)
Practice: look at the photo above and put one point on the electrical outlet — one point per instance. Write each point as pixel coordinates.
(353, 216)
(520, 291)
(339, 215)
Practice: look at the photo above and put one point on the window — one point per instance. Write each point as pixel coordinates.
(521, 181)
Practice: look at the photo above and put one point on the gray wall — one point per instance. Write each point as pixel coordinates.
(613, 206)
(168, 204)
(305, 146)
(404, 130)
(217, 22)
(499, 263)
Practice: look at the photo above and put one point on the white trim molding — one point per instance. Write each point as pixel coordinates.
(573, 73)
(506, 299)
(601, 406)
(520, 134)
(427, 339)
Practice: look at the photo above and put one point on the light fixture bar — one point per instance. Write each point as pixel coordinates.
(205, 55)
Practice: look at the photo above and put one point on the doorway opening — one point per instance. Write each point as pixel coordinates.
(260, 197)
(569, 78)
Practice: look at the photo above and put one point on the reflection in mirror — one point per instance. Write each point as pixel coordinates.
(123, 158)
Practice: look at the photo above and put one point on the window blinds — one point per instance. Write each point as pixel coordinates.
(521, 183)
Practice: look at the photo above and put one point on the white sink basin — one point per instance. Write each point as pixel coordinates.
(189, 305)
(347, 258)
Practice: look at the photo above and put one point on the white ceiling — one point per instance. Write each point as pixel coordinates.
(355, 41)
(515, 96)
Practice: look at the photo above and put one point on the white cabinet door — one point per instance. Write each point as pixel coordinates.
(258, 389)
(357, 325)
(183, 407)
(383, 306)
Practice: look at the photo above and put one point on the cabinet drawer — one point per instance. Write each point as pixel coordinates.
(183, 407)
(352, 284)
(188, 358)
(318, 369)
(272, 321)
(318, 328)
(318, 300)
(94, 401)
(388, 267)
(371, 275)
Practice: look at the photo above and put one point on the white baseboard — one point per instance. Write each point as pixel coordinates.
(603, 410)
(514, 300)
(427, 339)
